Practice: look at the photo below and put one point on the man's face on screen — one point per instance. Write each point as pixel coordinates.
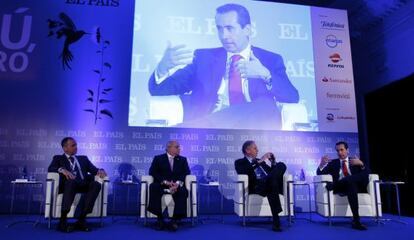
(252, 150)
(341, 151)
(233, 37)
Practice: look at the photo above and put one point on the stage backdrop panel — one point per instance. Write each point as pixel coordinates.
(76, 68)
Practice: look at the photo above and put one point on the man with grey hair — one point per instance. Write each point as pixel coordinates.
(265, 177)
(169, 171)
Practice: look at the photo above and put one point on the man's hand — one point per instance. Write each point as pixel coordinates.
(266, 156)
(68, 174)
(167, 183)
(324, 161)
(101, 173)
(174, 56)
(253, 68)
(356, 162)
(174, 187)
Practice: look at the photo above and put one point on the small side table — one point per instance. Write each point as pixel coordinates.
(294, 185)
(30, 185)
(128, 185)
(209, 186)
(397, 196)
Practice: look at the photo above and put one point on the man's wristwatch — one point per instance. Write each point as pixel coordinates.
(268, 79)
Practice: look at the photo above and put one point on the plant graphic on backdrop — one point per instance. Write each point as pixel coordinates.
(98, 97)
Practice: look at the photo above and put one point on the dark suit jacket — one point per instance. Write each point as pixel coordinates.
(243, 166)
(203, 78)
(61, 161)
(160, 169)
(333, 168)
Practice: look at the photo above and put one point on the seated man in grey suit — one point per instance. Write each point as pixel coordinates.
(169, 171)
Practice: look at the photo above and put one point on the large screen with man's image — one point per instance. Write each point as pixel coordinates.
(241, 65)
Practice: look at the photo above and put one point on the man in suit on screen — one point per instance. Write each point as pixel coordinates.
(77, 175)
(233, 86)
(169, 171)
(265, 177)
(349, 177)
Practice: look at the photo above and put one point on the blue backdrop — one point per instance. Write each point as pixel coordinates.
(43, 99)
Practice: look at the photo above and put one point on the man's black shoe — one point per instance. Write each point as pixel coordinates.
(329, 186)
(276, 228)
(173, 225)
(81, 226)
(64, 227)
(160, 225)
(358, 226)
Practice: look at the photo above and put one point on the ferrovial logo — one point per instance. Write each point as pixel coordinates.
(15, 52)
(332, 41)
(338, 95)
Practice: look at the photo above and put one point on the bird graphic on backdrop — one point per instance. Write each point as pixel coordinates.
(67, 29)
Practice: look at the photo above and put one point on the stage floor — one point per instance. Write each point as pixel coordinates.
(258, 228)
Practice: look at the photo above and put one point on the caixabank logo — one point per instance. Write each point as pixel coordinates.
(335, 59)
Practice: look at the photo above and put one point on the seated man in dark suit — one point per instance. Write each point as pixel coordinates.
(265, 177)
(219, 87)
(77, 175)
(349, 177)
(169, 171)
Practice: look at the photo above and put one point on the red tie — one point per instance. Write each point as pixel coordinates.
(235, 82)
(344, 168)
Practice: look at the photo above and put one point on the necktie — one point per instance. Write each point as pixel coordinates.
(171, 160)
(72, 163)
(344, 168)
(235, 82)
(75, 169)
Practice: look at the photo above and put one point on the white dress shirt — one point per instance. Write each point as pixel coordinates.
(223, 91)
(341, 173)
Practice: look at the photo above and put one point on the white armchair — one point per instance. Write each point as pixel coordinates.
(334, 205)
(54, 199)
(167, 200)
(254, 205)
(166, 111)
(293, 114)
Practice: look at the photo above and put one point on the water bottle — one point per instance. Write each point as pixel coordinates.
(24, 173)
(296, 177)
(302, 175)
